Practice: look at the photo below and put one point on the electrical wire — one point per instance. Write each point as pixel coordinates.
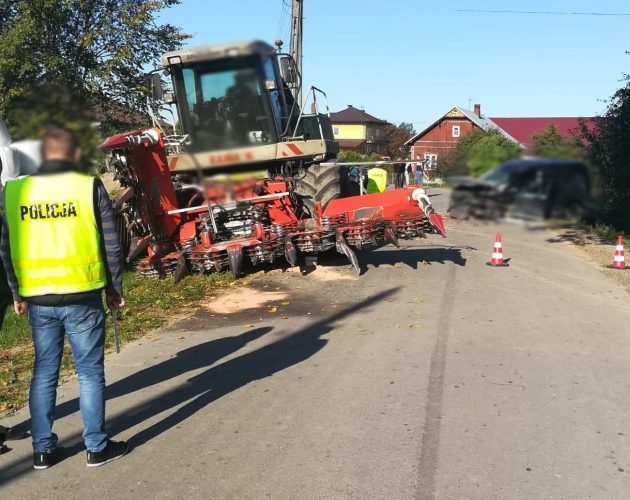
(283, 21)
(544, 12)
(415, 5)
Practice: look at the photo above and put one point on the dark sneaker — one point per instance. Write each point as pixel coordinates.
(43, 460)
(113, 450)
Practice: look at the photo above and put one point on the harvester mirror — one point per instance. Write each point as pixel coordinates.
(287, 69)
(155, 86)
(169, 97)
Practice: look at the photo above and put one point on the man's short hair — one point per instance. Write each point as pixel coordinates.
(59, 142)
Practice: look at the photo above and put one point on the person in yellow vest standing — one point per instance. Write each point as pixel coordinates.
(60, 250)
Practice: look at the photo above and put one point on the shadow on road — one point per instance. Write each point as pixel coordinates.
(190, 359)
(204, 388)
(579, 238)
(413, 257)
(567, 231)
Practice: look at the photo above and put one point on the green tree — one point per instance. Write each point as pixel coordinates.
(78, 61)
(350, 156)
(456, 161)
(550, 143)
(609, 152)
(477, 153)
(396, 137)
(491, 149)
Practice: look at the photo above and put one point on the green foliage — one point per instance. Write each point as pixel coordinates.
(15, 329)
(40, 107)
(456, 162)
(607, 233)
(609, 151)
(349, 156)
(396, 137)
(78, 61)
(491, 149)
(550, 143)
(477, 153)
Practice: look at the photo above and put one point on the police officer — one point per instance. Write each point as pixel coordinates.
(60, 250)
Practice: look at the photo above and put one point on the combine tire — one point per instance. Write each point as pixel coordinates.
(320, 184)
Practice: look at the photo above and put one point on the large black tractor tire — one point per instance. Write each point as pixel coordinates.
(320, 184)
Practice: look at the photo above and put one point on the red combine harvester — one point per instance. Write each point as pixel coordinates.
(187, 202)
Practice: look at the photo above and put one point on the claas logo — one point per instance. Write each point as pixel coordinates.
(52, 210)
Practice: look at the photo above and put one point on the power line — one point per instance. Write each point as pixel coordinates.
(545, 12)
(415, 5)
(284, 19)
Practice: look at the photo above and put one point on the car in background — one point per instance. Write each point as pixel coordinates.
(527, 189)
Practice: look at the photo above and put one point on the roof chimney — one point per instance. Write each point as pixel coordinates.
(478, 110)
(349, 105)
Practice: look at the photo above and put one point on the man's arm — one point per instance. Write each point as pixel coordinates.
(112, 249)
(5, 254)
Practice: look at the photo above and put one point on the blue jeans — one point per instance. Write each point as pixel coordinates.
(84, 323)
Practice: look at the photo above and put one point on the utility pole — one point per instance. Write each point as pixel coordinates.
(297, 16)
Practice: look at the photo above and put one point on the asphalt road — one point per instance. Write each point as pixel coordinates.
(430, 376)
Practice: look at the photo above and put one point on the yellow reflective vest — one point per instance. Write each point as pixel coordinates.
(377, 180)
(54, 238)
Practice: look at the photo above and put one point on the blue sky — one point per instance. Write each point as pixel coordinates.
(412, 60)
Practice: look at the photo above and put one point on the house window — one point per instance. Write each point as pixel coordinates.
(456, 130)
(336, 130)
(431, 161)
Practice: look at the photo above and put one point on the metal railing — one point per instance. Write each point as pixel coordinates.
(312, 92)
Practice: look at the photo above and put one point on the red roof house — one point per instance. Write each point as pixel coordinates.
(523, 129)
(440, 137)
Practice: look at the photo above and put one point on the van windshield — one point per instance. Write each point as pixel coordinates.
(504, 173)
(496, 177)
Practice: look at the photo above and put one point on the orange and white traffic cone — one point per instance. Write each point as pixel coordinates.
(497, 254)
(619, 260)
